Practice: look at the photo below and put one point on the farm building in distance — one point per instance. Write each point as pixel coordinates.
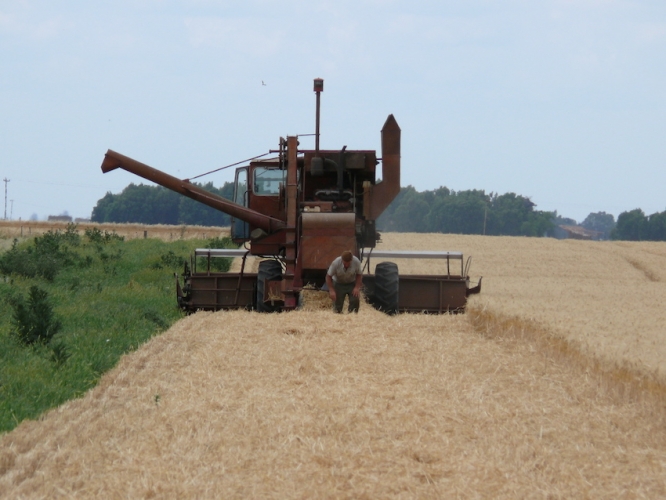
(577, 233)
(59, 218)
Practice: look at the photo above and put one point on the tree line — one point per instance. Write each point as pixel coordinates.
(465, 212)
(441, 210)
(144, 204)
(634, 225)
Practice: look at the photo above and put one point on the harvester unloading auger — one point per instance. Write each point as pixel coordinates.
(300, 210)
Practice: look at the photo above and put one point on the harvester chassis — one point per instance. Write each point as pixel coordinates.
(386, 289)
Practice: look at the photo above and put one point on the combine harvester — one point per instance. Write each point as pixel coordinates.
(300, 210)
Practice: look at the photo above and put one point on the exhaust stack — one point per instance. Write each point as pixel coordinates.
(383, 193)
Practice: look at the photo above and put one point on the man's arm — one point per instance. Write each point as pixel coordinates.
(331, 287)
(357, 287)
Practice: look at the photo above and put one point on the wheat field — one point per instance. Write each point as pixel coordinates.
(605, 298)
(552, 386)
(10, 229)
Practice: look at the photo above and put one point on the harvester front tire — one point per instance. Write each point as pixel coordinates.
(386, 287)
(268, 270)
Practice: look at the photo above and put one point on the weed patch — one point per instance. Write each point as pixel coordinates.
(33, 320)
(71, 305)
(220, 265)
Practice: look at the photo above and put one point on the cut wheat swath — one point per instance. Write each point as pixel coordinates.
(313, 404)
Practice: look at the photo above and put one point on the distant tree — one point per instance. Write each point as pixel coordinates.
(462, 212)
(193, 212)
(226, 191)
(558, 220)
(465, 212)
(631, 226)
(385, 221)
(136, 203)
(656, 227)
(412, 213)
(601, 222)
(158, 205)
(538, 223)
(101, 210)
(164, 209)
(514, 215)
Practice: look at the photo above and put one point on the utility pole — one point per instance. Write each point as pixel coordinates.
(5, 180)
(485, 216)
(11, 209)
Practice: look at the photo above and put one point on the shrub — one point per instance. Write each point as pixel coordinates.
(103, 317)
(224, 242)
(71, 235)
(34, 322)
(169, 260)
(219, 264)
(48, 254)
(94, 235)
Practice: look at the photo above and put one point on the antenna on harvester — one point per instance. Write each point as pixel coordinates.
(318, 88)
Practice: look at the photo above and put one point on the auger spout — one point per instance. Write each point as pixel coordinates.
(113, 160)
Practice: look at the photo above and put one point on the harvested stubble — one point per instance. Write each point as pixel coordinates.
(310, 404)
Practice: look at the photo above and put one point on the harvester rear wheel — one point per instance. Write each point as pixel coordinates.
(386, 287)
(268, 270)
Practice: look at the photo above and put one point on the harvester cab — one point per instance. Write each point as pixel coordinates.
(300, 209)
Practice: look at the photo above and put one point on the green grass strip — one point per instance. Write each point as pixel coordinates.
(111, 296)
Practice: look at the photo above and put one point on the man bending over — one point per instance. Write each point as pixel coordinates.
(344, 278)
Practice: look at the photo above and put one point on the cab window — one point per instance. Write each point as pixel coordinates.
(267, 181)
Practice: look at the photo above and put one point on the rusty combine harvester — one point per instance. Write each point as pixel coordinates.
(300, 210)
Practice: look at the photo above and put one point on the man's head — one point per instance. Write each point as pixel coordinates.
(346, 258)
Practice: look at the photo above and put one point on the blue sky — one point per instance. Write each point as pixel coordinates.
(560, 101)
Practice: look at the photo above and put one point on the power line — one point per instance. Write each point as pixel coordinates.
(227, 166)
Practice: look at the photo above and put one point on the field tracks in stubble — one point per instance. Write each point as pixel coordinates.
(649, 274)
(618, 379)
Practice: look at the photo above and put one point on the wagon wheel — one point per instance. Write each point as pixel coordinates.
(269, 270)
(386, 287)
